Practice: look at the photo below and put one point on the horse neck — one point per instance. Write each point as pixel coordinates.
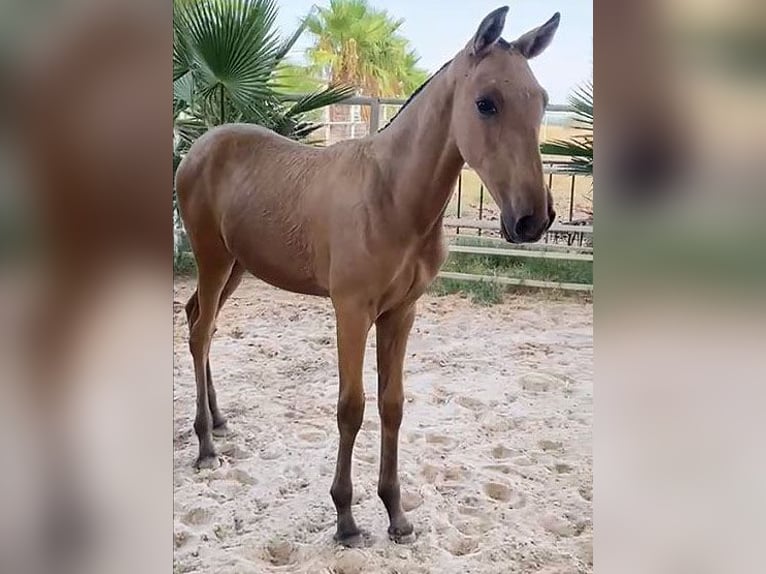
(424, 159)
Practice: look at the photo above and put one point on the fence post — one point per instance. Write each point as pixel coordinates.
(571, 199)
(481, 204)
(374, 115)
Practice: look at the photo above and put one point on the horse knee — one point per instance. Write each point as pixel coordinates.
(390, 409)
(350, 411)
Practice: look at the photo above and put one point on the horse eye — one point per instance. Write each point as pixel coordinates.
(486, 107)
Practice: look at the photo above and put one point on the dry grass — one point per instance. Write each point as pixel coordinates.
(561, 188)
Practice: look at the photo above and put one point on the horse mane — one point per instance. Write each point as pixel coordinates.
(415, 93)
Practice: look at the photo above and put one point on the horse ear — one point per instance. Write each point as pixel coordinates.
(534, 42)
(489, 31)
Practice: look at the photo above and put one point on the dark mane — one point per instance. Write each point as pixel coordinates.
(412, 96)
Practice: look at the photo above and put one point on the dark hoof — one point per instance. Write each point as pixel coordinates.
(353, 539)
(222, 430)
(402, 534)
(208, 462)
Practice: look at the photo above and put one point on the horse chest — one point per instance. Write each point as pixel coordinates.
(415, 274)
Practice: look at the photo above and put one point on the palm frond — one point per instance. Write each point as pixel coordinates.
(188, 130)
(577, 150)
(180, 51)
(232, 46)
(581, 102)
(288, 44)
(320, 99)
(183, 92)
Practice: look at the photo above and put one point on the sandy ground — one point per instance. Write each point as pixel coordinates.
(495, 447)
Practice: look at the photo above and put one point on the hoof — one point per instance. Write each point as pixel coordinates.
(402, 534)
(207, 462)
(221, 430)
(353, 539)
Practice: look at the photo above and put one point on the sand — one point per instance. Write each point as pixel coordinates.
(495, 447)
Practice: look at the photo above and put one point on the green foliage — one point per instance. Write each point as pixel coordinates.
(184, 264)
(579, 148)
(356, 44)
(296, 79)
(228, 66)
(481, 292)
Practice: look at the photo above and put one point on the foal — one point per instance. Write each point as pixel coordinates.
(361, 222)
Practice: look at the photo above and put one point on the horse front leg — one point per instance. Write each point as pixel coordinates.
(353, 325)
(392, 331)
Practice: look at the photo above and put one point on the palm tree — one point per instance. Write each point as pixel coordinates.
(228, 66)
(578, 149)
(356, 44)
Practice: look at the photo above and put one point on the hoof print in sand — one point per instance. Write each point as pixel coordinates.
(562, 468)
(234, 452)
(558, 526)
(241, 476)
(272, 451)
(350, 561)
(541, 382)
(504, 493)
(367, 457)
(501, 452)
(281, 552)
(470, 403)
(312, 437)
(411, 500)
(198, 516)
(440, 441)
(471, 505)
(459, 545)
(550, 446)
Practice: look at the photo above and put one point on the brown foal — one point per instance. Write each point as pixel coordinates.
(361, 222)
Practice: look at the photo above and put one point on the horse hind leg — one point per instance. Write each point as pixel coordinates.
(220, 426)
(214, 266)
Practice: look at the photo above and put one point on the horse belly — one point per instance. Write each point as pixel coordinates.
(278, 264)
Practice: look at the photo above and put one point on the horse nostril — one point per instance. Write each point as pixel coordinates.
(526, 228)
